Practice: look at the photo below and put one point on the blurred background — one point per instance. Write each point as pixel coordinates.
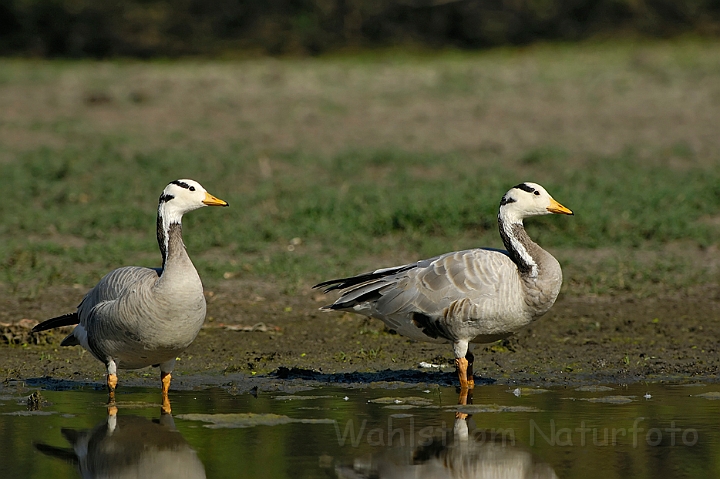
(348, 135)
(158, 28)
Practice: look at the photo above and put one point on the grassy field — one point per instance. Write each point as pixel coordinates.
(336, 165)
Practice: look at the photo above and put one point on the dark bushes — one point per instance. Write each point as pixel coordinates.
(150, 28)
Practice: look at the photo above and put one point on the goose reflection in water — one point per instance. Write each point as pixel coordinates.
(130, 447)
(459, 453)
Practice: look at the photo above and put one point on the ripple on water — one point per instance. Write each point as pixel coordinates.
(135, 404)
(594, 389)
(713, 395)
(480, 408)
(401, 415)
(526, 391)
(610, 399)
(29, 413)
(241, 420)
(291, 397)
(410, 400)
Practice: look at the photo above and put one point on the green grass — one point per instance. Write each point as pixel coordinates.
(81, 181)
(64, 225)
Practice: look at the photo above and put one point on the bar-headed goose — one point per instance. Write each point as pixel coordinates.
(136, 316)
(473, 296)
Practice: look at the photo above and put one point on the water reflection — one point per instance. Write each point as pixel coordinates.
(463, 452)
(129, 446)
(586, 432)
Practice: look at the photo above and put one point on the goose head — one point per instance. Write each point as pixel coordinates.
(529, 199)
(181, 196)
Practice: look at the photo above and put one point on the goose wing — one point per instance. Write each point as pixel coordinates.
(110, 287)
(114, 284)
(460, 295)
(97, 311)
(430, 287)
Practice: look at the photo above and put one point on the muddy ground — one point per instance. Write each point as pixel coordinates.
(256, 335)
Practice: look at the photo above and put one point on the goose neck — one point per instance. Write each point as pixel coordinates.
(519, 245)
(169, 236)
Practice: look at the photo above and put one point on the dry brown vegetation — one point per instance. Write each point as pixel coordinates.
(599, 99)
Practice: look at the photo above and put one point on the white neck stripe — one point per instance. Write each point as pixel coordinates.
(517, 247)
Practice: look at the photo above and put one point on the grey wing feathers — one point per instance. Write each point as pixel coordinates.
(97, 309)
(108, 289)
(113, 284)
(428, 286)
(343, 283)
(470, 275)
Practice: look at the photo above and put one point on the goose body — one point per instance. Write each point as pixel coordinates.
(136, 316)
(127, 317)
(472, 296)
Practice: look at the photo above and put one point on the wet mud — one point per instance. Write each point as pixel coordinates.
(267, 340)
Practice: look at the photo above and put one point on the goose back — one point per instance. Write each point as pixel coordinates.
(466, 294)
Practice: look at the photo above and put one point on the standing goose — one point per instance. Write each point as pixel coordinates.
(472, 296)
(136, 316)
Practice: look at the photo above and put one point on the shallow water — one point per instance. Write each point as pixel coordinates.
(636, 431)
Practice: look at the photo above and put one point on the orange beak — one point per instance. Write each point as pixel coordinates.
(557, 208)
(210, 200)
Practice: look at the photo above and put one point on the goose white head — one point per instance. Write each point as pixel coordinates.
(181, 196)
(528, 199)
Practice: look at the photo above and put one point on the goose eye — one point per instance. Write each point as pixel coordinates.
(192, 188)
(537, 193)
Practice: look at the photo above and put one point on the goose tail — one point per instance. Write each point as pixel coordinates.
(345, 283)
(64, 320)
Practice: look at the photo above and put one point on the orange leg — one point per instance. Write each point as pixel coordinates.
(461, 364)
(165, 379)
(111, 384)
